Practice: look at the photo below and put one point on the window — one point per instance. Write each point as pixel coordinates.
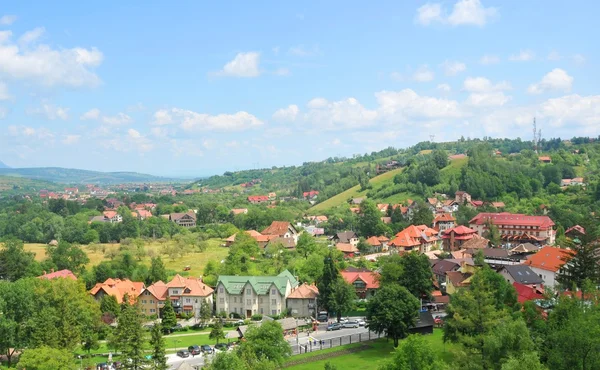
(187, 300)
(152, 310)
(175, 291)
(261, 311)
(221, 300)
(248, 291)
(235, 309)
(260, 300)
(221, 290)
(234, 299)
(273, 291)
(152, 301)
(273, 312)
(248, 302)
(143, 301)
(273, 302)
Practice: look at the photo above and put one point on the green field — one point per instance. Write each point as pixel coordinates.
(354, 192)
(196, 260)
(379, 352)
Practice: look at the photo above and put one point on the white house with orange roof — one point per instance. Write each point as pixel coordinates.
(186, 294)
(302, 301)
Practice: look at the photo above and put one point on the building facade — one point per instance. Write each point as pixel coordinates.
(517, 228)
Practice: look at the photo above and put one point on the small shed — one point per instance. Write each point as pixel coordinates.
(424, 324)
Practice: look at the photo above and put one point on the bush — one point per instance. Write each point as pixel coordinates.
(257, 317)
(235, 315)
(222, 315)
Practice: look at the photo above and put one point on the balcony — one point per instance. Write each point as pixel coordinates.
(311, 305)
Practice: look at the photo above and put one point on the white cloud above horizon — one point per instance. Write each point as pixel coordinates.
(243, 65)
(464, 12)
(555, 80)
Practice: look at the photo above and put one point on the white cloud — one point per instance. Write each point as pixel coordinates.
(453, 68)
(464, 12)
(408, 104)
(132, 141)
(31, 36)
(5, 36)
(397, 76)
(423, 74)
(301, 51)
(92, 57)
(336, 141)
(429, 13)
(71, 139)
(286, 114)
(243, 65)
(579, 59)
(92, 114)
(490, 99)
(232, 144)
(50, 111)
(281, 72)
(160, 132)
(557, 79)
(482, 84)
(573, 109)
(471, 12)
(162, 117)
(192, 121)
(95, 115)
(489, 59)
(317, 103)
(554, 55)
(444, 88)
(4, 95)
(347, 113)
(134, 134)
(208, 143)
(523, 56)
(7, 20)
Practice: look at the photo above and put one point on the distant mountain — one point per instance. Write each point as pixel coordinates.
(75, 176)
(2, 165)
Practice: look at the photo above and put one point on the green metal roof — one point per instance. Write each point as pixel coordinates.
(260, 284)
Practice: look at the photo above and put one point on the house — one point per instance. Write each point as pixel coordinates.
(185, 293)
(310, 195)
(356, 200)
(302, 301)
(524, 248)
(386, 220)
(316, 220)
(185, 219)
(258, 199)
(286, 243)
(272, 196)
(239, 211)
(365, 283)
(282, 229)
(314, 231)
(415, 238)
(575, 232)
(71, 191)
(261, 239)
(424, 324)
(112, 216)
(377, 243)
(434, 203)
(450, 205)
(443, 222)
(441, 267)
(528, 293)
(545, 159)
(251, 295)
(514, 227)
(462, 197)
(521, 274)
(141, 214)
(348, 249)
(118, 288)
(67, 274)
(476, 203)
(456, 280)
(476, 242)
(498, 204)
(349, 237)
(454, 238)
(547, 263)
(383, 207)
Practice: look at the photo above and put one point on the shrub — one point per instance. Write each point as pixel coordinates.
(257, 317)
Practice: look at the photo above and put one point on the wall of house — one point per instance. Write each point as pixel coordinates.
(267, 304)
(149, 304)
(549, 277)
(302, 307)
(507, 276)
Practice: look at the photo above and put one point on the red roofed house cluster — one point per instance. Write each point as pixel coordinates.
(415, 238)
(365, 282)
(517, 227)
(455, 237)
(258, 199)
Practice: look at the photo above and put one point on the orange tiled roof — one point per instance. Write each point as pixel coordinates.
(414, 236)
(371, 279)
(118, 288)
(549, 258)
(305, 291)
(346, 248)
(59, 274)
(374, 241)
(278, 228)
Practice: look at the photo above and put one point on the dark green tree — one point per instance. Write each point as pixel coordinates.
(369, 221)
(421, 214)
(393, 311)
(414, 353)
(169, 319)
(439, 158)
(411, 270)
(129, 337)
(492, 233)
(325, 283)
(342, 298)
(67, 256)
(581, 266)
(109, 304)
(205, 312)
(157, 342)
(306, 245)
(157, 271)
(46, 358)
(15, 263)
(217, 332)
(267, 342)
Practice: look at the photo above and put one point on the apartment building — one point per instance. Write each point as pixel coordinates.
(186, 294)
(514, 227)
(251, 295)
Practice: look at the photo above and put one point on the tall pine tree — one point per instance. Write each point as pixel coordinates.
(326, 283)
(169, 319)
(157, 342)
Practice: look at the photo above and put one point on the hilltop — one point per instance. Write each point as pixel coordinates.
(2, 165)
(77, 176)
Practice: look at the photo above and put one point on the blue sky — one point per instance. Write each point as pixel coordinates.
(190, 88)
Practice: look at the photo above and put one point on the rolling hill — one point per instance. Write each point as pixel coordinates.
(76, 176)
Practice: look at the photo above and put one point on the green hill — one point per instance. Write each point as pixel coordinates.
(76, 176)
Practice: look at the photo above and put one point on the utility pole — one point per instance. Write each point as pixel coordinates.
(535, 140)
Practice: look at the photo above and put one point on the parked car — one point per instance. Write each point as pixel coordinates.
(206, 348)
(343, 320)
(183, 353)
(102, 366)
(334, 326)
(221, 347)
(361, 322)
(351, 324)
(322, 318)
(177, 327)
(239, 322)
(195, 349)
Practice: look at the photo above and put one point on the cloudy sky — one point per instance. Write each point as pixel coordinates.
(185, 88)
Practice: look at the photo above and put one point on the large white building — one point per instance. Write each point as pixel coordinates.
(518, 228)
(251, 295)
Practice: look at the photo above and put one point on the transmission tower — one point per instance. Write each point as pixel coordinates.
(431, 138)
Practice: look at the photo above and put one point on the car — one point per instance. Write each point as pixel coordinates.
(102, 366)
(206, 348)
(322, 318)
(239, 322)
(177, 327)
(221, 347)
(194, 350)
(361, 322)
(343, 320)
(350, 324)
(334, 326)
(184, 353)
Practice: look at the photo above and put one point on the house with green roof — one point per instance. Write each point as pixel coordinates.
(251, 295)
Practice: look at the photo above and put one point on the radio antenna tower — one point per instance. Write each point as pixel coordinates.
(431, 138)
(537, 136)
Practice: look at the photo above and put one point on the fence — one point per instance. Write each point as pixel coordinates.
(318, 344)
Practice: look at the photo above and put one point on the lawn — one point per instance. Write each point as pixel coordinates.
(379, 352)
(196, 260)
(354, 192)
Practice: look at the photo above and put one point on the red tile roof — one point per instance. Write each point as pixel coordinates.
(278, 228)
(310, 194)
(526, 293)
(374, 241)
(577, 228)
(371, 279)
(414, 236)
(443, 217)
(346, 248)
(305, 291)
(460, 233)
(258, 198)
(59, 274)
(118, 288)
(549, 258)
(191, 286)
(505, 218)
